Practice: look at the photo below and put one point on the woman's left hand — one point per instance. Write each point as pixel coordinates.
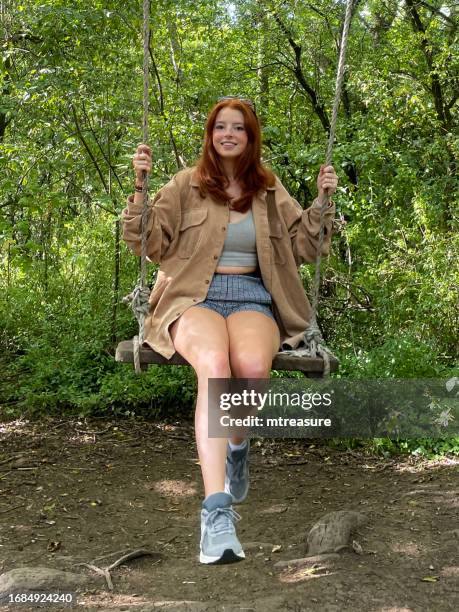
(327, 181)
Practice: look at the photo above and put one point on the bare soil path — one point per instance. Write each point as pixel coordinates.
(74, 492)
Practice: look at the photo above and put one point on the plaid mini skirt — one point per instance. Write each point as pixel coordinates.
(229, 293)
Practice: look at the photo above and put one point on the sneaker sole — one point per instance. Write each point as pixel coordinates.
(228, 556)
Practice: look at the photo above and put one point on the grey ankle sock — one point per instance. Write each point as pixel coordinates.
(217, 500)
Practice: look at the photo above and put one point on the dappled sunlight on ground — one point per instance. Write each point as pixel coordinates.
(173, 488)
(406, 548)
(416, 466)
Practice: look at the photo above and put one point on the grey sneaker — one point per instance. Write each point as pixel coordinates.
(237, 473)
(219, 543)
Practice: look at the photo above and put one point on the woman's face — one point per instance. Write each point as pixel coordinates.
(229, 136)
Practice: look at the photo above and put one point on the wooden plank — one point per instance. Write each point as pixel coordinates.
(124, 354)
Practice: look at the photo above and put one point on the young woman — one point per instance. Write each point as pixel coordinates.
(228, 293)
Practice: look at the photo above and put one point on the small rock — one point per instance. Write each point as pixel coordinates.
(357, 548)
(41, 578)
(275, 509)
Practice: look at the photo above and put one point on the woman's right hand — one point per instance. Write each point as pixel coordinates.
(142, 161)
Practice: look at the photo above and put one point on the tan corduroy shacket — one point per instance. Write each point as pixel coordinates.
(186, 235)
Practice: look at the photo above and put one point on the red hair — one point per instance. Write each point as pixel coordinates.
(249, 171)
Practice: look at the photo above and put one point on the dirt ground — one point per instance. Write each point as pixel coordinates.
(86, 492)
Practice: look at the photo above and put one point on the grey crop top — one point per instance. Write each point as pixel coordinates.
(240, 245)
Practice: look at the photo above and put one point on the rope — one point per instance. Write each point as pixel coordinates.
(314, 345)
(141, 293)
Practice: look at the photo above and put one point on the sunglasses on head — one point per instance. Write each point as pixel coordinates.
(243, 100)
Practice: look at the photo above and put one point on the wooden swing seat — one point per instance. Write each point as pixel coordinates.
(311, 367)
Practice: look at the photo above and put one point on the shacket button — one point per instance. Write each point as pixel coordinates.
(215, 256)
(207, 281)
(223, 228)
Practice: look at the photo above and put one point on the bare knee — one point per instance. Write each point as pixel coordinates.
(212, 364)
(251, 365)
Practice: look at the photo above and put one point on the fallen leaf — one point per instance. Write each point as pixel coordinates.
(430, 579)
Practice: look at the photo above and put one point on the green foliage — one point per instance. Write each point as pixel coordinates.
(429, 448)
(70, 117)
(83, 379)
(403, 356)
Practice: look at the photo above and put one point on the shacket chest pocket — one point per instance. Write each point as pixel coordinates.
(277, 242)
(191, 231)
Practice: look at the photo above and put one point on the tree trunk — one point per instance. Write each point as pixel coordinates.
(427, 47)
(263, 73)
(5, 92)
(116, 281)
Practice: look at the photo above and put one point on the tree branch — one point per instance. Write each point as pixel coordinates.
(21, 36)
(438, 12)
(436, 89)
(453, 100)
(91, 129)
(299, 74)
(90, 153)
(158, 79)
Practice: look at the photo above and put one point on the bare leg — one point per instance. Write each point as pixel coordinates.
(200, 335)
(253, 342)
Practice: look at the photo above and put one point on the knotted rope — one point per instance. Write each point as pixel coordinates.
(313, 344)
(141, 293)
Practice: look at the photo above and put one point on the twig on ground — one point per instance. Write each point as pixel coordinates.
(314, 561)
(12, 508)
(105, 571)
(10, 459)
(165, 509)
(93, 433)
